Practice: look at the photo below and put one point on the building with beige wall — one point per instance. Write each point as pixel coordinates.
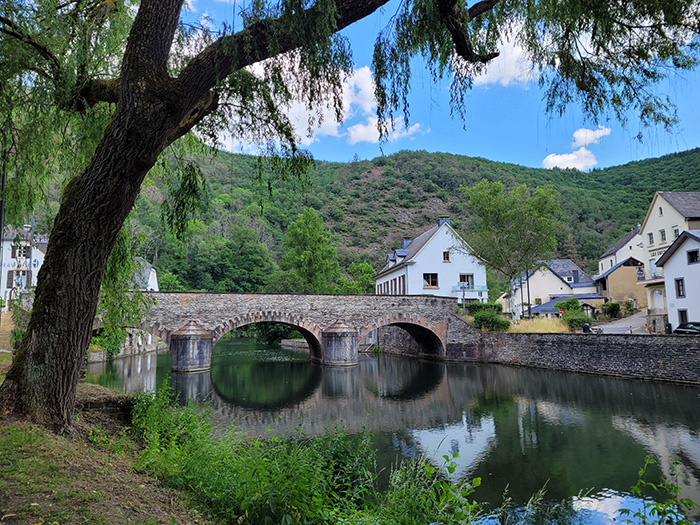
(619, 283)
(669, 215)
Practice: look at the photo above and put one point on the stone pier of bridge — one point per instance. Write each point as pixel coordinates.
(334, 326)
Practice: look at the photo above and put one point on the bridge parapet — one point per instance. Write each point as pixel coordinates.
(318, 317)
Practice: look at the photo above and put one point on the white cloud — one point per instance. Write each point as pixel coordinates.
(510, 67)
(584, 137)
(581, 159)
(368, 132)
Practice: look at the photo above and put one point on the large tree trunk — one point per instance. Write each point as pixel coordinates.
(153, 110)
(43, 378)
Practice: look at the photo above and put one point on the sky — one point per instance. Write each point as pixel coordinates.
(505, 120)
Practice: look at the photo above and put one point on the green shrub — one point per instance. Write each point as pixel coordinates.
(570, 304)
(576, 319)
(475, 308)
(611, 309)
(491, 321)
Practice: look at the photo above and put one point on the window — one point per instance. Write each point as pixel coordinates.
(538, 300)
(693, 256)
(662, 235)
(21, 252)
(682, 316)
(680, 287)
(445, 256)
(467, 278)
(430, 280)
(651, 238)
(661, 211)
(676, 232)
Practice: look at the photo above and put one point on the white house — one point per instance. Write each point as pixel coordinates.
(681, 266)
(557, 279)
(145, 276)
(669, 214)
(21, 257)
(629, 245)
(436, 262)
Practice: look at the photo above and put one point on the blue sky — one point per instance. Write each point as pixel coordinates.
(505, 120)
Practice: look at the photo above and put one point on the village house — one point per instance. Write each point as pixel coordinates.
(668, 216)
(681, 267)
(558, 279)
(21, 257)
(629, 245)
(618, 284)
(437, 262)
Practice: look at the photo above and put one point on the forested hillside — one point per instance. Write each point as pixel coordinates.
(236, 242)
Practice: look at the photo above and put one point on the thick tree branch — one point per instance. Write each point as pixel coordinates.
(253, 44)
(481, 8)
(453, 19)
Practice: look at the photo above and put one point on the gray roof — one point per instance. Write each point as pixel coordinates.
(631, 260)
(411, 251)
(620, 242)
(566, 267)
(687, 203)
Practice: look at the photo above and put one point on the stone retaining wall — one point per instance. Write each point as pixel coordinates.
(665, 358)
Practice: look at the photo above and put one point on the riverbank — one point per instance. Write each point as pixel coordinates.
(87, 477)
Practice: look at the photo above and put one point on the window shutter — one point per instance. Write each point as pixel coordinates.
(29, 278)
(9, 279)
(14, 252)
(28, 252)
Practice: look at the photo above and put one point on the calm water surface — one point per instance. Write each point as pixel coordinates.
(513, 426)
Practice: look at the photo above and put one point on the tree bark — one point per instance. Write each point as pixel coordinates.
(153, 109)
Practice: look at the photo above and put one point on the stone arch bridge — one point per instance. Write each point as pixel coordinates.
(335, 326)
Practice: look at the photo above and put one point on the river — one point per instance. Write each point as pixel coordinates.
(579, 434)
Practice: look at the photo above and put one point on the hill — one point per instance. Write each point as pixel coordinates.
(371, 205)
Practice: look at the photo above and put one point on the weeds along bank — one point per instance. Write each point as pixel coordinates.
(115, 474)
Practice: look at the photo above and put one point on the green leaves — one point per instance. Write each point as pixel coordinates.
(511, 232)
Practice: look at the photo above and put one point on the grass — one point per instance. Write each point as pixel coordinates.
(83, 478)
(541, 325)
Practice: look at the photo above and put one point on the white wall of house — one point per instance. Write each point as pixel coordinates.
(633, 248)
(682, 280)
(20, 266)
(431, 272)
(543, 284)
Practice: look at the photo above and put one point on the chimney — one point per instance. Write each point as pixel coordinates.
(575, 274)
(443, 219)
(406, 241)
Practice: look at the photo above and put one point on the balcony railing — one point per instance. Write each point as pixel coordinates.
(651, 275)
(470, 288)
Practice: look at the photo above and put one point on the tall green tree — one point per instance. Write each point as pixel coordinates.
(91, 92)
(511, 232)
(310, 261)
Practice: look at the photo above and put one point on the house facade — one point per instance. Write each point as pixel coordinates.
(437, 262)
(669, 215)
(619, 283)
(681, 267)
(559, 278)
(629, 245)
(22, 256)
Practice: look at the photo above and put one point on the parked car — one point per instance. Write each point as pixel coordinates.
(688, 328)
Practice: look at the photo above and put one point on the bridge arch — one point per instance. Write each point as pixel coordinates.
(310, 331)
(429, 337)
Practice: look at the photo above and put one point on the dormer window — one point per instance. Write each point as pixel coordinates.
(446, 256)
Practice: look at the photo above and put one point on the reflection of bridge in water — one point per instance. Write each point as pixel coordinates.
(514, 423)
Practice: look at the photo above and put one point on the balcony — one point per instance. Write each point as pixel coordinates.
(468, 287)
(655, 274)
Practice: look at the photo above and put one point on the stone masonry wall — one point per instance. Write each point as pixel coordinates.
(667, 358)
